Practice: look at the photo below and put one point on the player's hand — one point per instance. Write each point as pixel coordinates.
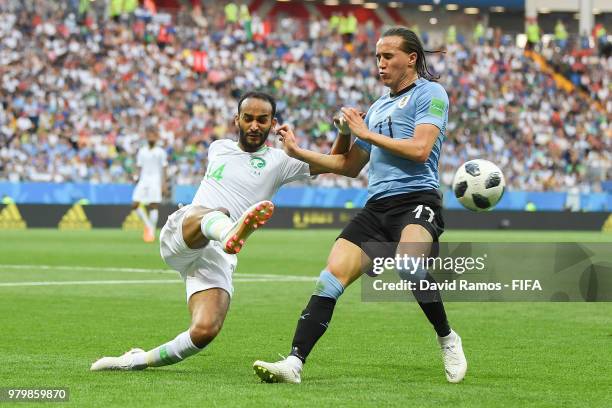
(355, 122)
(341, 124)
(287, 138)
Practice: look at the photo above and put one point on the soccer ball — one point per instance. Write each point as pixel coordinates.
(479, 185)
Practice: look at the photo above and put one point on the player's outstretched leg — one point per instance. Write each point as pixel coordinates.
(208, 310)
(217, 226)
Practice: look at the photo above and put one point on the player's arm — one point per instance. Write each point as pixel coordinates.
(347, 164)
(342, 144)
(416, 148)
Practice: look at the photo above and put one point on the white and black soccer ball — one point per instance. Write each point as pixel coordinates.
(479, 185)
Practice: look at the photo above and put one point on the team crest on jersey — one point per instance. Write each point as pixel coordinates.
(257, 163)
(403, 101)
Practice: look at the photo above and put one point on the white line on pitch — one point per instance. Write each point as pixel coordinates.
(139, 270)
(106, 282)
(127, 282)
(86, 268)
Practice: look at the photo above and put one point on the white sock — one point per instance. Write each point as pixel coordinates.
(172, 352)
(143, 216)
(215, 225)
(295, 362)
(153, 215)
(450, 338)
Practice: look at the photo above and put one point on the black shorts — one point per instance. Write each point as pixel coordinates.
(384, 219)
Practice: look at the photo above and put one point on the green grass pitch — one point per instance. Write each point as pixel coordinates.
(374, 354)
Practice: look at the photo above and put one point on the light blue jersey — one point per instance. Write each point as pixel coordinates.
(396, 116)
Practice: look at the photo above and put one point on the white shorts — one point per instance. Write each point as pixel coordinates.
(147, 192)
(201, 269)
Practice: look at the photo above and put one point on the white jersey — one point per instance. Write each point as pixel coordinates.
(151, 162)
(236, 179)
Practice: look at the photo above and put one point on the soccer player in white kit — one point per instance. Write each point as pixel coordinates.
(200, 240)
(151, 160)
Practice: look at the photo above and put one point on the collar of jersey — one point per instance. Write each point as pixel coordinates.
(262, 149)
(403, 91)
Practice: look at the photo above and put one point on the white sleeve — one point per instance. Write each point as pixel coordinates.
(211, 149)
(293, 170)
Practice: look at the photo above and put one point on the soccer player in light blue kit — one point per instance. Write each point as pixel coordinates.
(401, 137)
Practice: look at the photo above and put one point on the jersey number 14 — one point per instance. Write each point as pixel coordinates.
(217, 174)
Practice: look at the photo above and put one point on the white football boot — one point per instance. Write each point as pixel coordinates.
(455, 364)
(124, 362)
(288, 370)
(254, 217)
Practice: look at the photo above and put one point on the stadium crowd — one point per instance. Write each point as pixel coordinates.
(77, 89)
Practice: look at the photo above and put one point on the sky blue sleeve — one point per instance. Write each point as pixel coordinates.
(363, 145)
(432, 106)
(360, 143)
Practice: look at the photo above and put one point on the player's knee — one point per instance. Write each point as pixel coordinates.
(328, 285)
(340, 271)
(204, 332)
(192, 233)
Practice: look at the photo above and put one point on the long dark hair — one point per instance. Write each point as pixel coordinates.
(412, 43)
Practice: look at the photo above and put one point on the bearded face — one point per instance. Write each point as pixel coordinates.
(254, 123)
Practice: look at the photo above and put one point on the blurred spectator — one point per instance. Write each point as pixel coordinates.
(533, 33)
(560, 35)
(479, 33)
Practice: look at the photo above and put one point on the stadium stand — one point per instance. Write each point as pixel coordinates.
(77, 88)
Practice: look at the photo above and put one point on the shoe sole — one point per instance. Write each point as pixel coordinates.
(253, 218)
(264, 374)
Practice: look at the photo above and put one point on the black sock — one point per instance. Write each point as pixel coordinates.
(437, 317)
(431, 304)
(312, 325)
